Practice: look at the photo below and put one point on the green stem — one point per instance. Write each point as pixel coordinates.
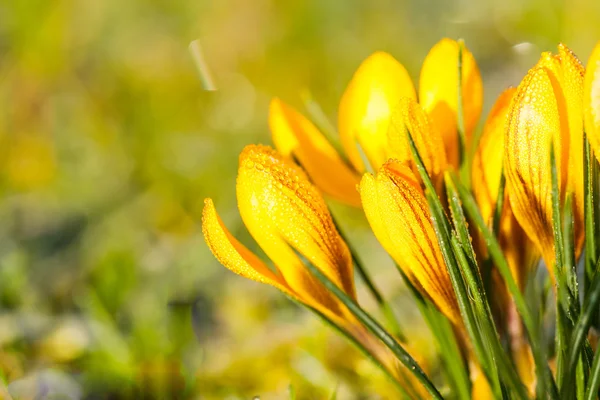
(384, 305)
(377, 330)
(359, 346)
(544, 375)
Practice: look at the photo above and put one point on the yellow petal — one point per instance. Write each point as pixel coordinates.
(366, 106)
(592, 101)
(487, 161)
(409, 115)
(399, 216)
(234, 255)
(534, 124)
(438, 92)
(486, 174)
(284, 212)
(571, 79)
(295, 135)
(480, 389)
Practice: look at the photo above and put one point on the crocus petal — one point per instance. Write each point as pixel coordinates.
(486, 174)
(285, 213)
(569, 73)
(399, 216)
(409, 115)
(234, 255)
(366, 106)
(534, 124)
(592, 101)
(294, 135)
(438, 92)
(487, 161)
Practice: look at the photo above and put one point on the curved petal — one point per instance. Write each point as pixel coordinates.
(592, 101)
(571, 78)
(234, 255)
(438, 92)
(295, 135)
(486, 174)
(399, 216)
(534, 123)
(366, 106)
(409, 115)
(486, 170)
(285, 213)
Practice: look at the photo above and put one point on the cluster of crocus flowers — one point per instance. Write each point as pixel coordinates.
(378, 101)
(401, 162)
(289, 219)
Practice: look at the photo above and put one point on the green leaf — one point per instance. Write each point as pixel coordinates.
(590, 308)
(377, 330)
(543, 373)
(358, 345)
(591, 392)
(383, 304)
(441, 328)
(473, 306)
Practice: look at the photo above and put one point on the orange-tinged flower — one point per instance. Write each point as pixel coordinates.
(592, 100)
(545, 111)
(398, 213)
(486, 174)
(285, 214)
(367, 104)
(294, 135)
(438, 92)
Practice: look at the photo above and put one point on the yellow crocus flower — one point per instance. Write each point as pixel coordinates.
(398, 213)
(486, 174)
(367, 104)
(545, 110)
(592, 100)
(378, 102)
(285, 214)
(438, 92)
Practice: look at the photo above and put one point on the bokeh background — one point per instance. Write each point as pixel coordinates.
(109, 142)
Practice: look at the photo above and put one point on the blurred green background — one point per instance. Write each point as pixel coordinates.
(109, 143)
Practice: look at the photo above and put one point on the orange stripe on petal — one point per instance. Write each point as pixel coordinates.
(438, 92)
(409, 115)
(399, 216)
(293, 134)
(534, 124)
(285, 213)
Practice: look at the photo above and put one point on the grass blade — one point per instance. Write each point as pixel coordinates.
(441, 328)
(584, 322)
(543, 372)
(358, 345)
(591, 392)
(382, 303)
(377, 330)
(479, 328)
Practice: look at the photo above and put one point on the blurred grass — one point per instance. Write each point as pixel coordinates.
(109, 144)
